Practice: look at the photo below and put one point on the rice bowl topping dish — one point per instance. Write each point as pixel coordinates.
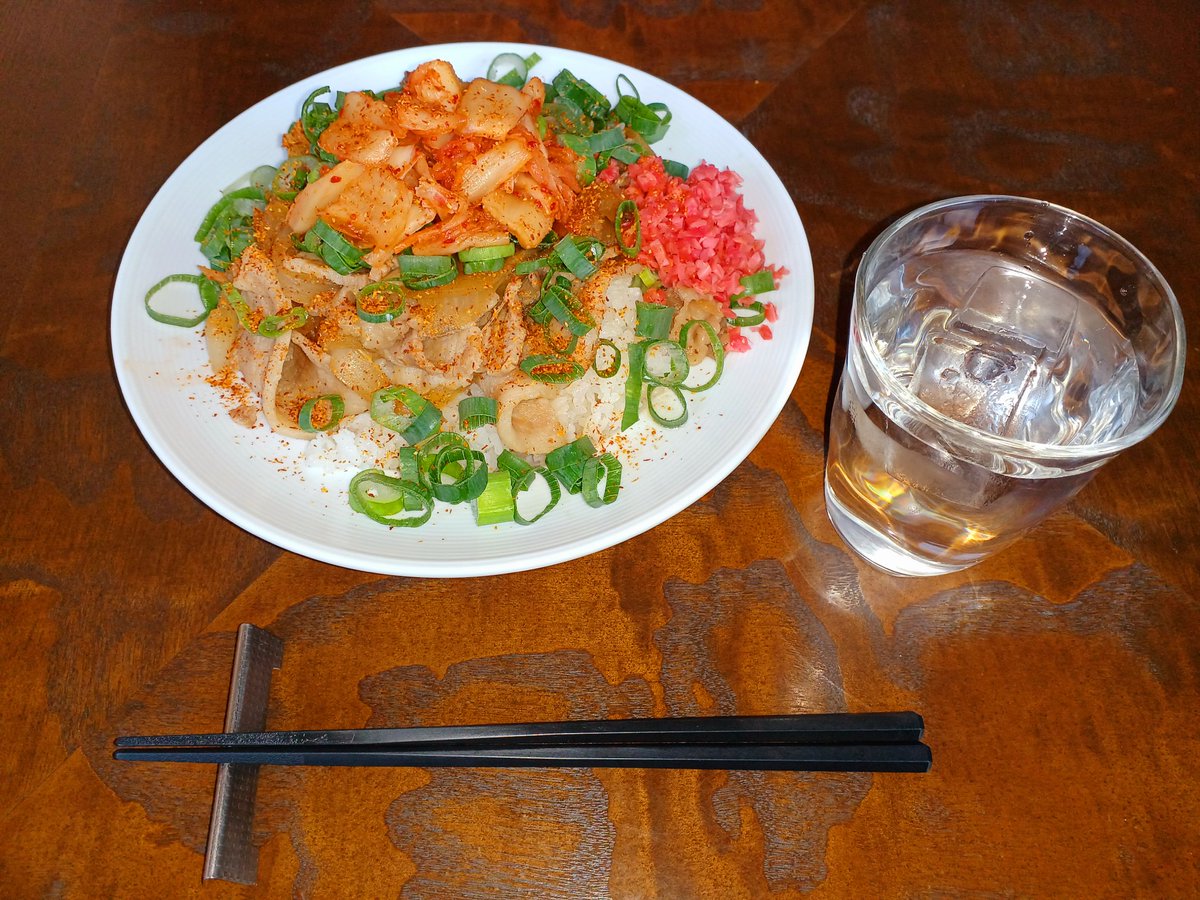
(479, 291)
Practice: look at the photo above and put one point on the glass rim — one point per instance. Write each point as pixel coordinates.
(943, 423)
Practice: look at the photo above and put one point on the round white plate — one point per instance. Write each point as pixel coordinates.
(254, 478)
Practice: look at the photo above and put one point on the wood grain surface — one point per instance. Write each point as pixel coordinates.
(1058, 680)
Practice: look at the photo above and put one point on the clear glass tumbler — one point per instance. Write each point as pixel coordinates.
(1001, 350)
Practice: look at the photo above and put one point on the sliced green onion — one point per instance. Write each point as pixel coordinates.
(628, 208)
(574, 260)
(496, 251)
(591, 101)
(293, 175)
(760, 282)
(648, 278)
(604, 468)
(551, 369)
(566, 463)
(375, 315)
(210, 218)
(632, 87)
(627, 153)
(408, 463)
(423, 272)
(613, 367)
(422, 420)
(538, 312)
(564, 350)
(518, 469)
(314, 119)
(262, 177)
(585, 172)
(575, 143)
(277, 326)
(555, 496)
(476, 411)
(560, 307)
(239, 305)
(469, 479)
(525, 267)
(337, 409)
(675, 357)
(718, 353)
(633, 384)
(425, 282)
(381, 497)
(483, 265)
(411, 264)
(650, 120)
(210, 296)
(515, 68)
(339, 254)
(652, 406)
(609, 139)
(496, 504)
(653, 320)
(756, 309)
(678, 169)
(565, 117)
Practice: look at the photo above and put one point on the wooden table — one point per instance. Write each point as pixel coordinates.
(1058, 681)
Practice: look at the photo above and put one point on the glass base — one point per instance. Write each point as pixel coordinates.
(878, 549)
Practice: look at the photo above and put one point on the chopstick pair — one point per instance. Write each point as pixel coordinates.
(833, 742)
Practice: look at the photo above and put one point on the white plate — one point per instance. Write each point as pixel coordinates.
(251, 478)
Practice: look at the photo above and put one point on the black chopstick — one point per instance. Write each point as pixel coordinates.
(811, 728)
(904, 757)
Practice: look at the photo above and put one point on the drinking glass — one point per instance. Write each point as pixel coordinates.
(1001, 350)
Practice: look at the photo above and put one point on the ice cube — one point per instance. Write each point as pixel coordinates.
(1019, 309)
(979, 384)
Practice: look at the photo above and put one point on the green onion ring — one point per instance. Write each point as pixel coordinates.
(423, 419)
(515, 66)
(520, 471)
(623, 208)
(425, 282)
(496, 251)
(476, 411)
(656, 415)
(653, 320)
(612, 368)
(756, 309)
(468, 484)
(337, 409)
(483, 265)
(247, 193)
(278, 326)
(566, 349)
(606, 468)
(566, 463)
(555, 496)
(210, 296)
(389, 286)
(566, 370)
(632, 87)
(573, 259)
(380, 497)
(718, 352)
(560, 307)
(677, 361)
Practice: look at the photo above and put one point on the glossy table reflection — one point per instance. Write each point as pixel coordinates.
(1058, 681)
